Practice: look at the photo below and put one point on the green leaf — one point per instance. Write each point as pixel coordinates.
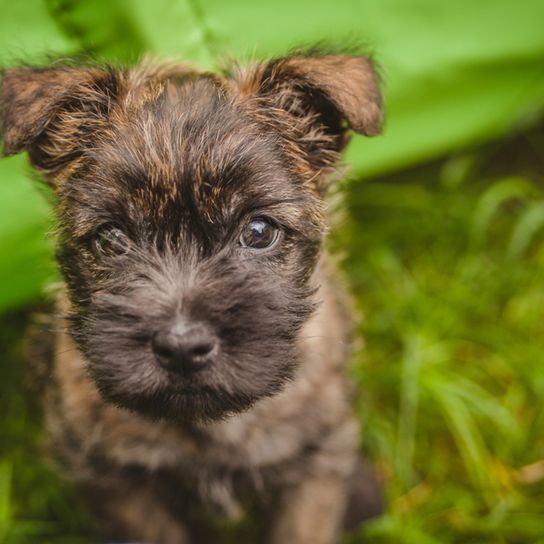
(526, 229)
(496, 196)
(464, 429)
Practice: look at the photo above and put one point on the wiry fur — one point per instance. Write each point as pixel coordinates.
(182, 161)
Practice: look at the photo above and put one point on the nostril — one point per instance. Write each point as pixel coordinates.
(201, 350)
(184, 351)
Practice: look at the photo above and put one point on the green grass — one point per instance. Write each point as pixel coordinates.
(447, 263)
(35, 505)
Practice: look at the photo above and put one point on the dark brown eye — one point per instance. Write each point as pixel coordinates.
(110, 240)
(259, 234)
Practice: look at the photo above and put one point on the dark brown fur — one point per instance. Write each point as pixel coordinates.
(181, 161)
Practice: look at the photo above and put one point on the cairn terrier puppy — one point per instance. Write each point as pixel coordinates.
(200, 371)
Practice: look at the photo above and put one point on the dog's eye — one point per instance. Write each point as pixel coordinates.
(259, 234)
(110, 240)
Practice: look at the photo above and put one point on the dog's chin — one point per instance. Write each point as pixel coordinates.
(184, 406)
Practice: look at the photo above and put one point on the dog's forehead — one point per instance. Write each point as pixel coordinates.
(193, 148)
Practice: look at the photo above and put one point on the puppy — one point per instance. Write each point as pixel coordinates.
(200, 372)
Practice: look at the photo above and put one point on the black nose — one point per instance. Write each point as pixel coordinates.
(184, 349)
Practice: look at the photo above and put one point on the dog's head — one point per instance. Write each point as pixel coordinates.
(190, 215)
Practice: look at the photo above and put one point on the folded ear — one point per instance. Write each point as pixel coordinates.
(319, 98)
(53, 113)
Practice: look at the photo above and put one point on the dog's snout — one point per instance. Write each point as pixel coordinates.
(184, 349)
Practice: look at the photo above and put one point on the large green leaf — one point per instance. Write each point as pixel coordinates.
(454, 73)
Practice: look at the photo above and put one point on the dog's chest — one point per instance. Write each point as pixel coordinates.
(263, 437)
(226, 465)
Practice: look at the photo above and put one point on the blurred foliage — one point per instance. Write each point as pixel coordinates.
(447, 262)
(35, 506)
(446, 258)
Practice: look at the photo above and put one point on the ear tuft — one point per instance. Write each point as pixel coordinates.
(350, 84)
(49, 112)
(313, 100)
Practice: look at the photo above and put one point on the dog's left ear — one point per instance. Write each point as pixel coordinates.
(54, 112)
(316, 99)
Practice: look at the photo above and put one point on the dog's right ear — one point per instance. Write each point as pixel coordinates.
(54, 113)
(314, 100)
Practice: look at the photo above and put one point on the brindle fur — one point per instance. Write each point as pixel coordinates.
(182, 160)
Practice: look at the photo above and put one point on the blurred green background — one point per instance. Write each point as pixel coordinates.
(442, 243)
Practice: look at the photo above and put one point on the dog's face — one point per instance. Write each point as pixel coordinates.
(190, 216)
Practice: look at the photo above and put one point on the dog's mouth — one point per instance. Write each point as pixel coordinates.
(184, 404)
(189, 390)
